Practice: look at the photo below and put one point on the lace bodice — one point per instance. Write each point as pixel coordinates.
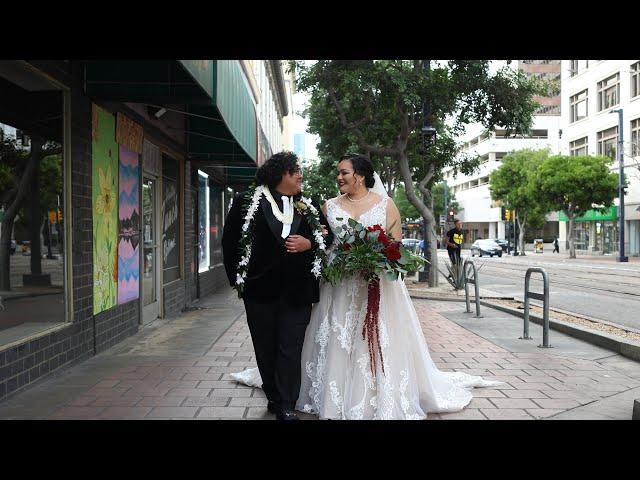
(376, 215)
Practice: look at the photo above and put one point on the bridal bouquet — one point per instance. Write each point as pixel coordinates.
(369, 252)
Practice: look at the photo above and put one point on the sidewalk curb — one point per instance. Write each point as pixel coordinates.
(610, 342)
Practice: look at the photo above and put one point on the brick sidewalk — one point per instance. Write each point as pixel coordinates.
(198, 386)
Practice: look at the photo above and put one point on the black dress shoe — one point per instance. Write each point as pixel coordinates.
(286, 415)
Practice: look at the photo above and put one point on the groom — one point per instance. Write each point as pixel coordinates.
(279, 288)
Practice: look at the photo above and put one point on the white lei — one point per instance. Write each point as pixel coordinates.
(243, 265)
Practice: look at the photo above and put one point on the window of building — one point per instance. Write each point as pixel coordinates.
(579, 147)
(578, 66)
(171, 238)
(608, 141)
(609, 92)
(216, 220)
(578, 106)
(203, 221)
(635, 137)
(34, 263)
(635, 79)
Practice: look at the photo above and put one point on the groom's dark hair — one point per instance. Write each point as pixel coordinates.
(271, 172)
(362, 166)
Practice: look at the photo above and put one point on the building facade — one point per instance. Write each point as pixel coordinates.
(117, 203)
(481, 216)
(592, 90)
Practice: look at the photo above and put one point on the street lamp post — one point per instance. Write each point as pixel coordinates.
(428, 139)
(621, 256)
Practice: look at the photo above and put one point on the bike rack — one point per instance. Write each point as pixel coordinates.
(473, 280)
(538, 296)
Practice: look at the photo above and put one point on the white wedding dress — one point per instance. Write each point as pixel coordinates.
(337, 382)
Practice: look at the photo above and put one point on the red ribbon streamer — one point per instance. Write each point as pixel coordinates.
(370, 330)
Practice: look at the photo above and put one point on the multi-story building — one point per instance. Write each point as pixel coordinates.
(480, 215)
(148, 155)
(592, 92)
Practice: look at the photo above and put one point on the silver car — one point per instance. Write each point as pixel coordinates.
(486, 247)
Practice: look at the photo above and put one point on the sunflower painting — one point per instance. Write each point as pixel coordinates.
(105, 212)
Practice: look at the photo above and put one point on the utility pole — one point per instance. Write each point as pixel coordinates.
(621, 256)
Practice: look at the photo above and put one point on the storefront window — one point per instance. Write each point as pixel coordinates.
(32, 206)
(171, 243)
(581, 235)
(215, 224)
(203, 221)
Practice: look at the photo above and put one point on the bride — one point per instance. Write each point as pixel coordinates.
(337, 382)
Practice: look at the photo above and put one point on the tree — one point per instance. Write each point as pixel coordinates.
(19, 174)
(575, 185)
(437, 193)
(319, 180)
(514, 184)
(407, 211)
(377, 105)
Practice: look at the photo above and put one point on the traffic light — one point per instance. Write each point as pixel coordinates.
(451, 214)
(507, 214)
(59, 216)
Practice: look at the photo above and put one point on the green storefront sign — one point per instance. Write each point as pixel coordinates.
(609, 214)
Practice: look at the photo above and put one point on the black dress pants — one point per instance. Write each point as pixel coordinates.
(277, 332)
(454, 255)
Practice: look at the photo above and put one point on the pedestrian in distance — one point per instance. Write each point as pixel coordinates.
(556, 246)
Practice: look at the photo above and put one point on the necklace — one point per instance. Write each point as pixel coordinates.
(360, 199)
(285, 219)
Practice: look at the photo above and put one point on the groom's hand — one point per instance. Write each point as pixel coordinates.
(297, 244)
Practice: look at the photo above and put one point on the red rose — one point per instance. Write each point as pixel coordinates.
(382, 238)
(392, 251)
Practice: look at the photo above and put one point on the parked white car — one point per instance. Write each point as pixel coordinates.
(486, 247)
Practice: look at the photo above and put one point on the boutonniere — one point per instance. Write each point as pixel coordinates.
(301, 207)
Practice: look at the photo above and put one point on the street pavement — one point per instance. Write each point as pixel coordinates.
(595, 286)
(180, 369)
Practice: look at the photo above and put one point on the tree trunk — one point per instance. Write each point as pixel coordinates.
(521, 236)
(35, 225)
(12, 210)
(572, 246)
(425, 212)
(433, 272)
(5, 254)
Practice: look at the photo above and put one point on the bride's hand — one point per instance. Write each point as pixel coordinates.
(297, 244)
(324, 230)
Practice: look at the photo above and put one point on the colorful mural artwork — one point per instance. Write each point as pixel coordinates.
(129, 236)
(105, 210)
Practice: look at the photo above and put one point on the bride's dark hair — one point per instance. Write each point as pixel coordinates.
(362, 166)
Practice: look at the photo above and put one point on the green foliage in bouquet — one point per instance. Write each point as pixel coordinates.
(368, 252)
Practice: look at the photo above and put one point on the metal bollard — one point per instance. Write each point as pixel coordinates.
(538, 296)
(474, 280)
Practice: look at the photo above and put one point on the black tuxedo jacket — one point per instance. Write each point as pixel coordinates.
(272, 270)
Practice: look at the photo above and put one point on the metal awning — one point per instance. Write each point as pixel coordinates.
(221, 116)
(146, 81)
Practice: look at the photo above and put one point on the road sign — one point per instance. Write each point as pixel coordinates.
(443, 219)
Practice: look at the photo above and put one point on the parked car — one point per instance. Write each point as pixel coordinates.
(411, 244)
(506, 245)
(486, 247)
